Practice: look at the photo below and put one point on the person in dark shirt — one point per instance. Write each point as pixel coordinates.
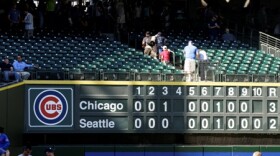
(227, 36)
(8, 70)
(213, 27)
(160, 42)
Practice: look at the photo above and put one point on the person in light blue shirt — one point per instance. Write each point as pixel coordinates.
(20, 66)
(28, 24)
(190, 54)
(4, 143)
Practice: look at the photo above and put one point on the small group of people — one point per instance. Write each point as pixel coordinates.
(16, 70)
(15, 20)
(192, 55)
(156, 47)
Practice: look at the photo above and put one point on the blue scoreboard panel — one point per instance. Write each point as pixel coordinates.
(152, 107)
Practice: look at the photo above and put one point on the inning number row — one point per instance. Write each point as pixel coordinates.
(242, 91)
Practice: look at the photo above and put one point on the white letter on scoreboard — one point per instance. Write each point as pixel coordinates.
(272, 92)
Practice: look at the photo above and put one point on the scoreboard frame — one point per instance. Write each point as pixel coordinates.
(165, 107)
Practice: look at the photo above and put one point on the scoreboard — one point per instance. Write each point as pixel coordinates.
(152, 107)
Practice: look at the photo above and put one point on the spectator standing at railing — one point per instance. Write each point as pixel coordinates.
(149, 50)
(146, 39)
(8, 70)
(190, 53)
(149, 45)
(165, 55)
(160, 42)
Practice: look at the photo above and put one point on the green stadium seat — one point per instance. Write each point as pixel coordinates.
(223, 68)
(241, 72)
(260, 54)
(210, 51)
(230, 72)
(134, 70)
(159, 67)
(220, 53)
(252, 72)
(247, 60)
(243, 68)
(272, 72)
(178, 71)
(145, 71)
(262, 72)
(227, 58)
(240, 55)
(121, 70)
(229, 54)
(237, 61)
(155, 71)
(166, 71)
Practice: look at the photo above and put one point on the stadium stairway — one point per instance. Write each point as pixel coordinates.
(234, 61)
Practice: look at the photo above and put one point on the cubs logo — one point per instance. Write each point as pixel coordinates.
(50, 107)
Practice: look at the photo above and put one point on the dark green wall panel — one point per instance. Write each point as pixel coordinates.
(3, 108)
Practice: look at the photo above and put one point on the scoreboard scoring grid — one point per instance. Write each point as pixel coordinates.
(206, 109)
(153, 107)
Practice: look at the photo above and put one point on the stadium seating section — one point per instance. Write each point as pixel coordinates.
(82, 56)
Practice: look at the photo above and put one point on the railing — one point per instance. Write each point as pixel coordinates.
(211, 75)
(109, 76)
(269, 44)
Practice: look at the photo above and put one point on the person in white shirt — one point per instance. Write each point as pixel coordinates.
(26, 151)
(28, 24)
(203, 64)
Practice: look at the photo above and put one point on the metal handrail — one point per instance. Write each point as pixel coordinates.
(268, 43)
